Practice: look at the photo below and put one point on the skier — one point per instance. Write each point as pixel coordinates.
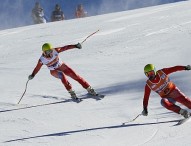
(159, 82)
(58, 69)
(38, 14)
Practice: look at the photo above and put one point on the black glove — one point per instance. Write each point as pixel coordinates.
(78, 45)
(30, 77)
(188, 67)
(144, 112)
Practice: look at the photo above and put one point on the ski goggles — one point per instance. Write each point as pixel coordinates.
(150, 73)
(48, 52)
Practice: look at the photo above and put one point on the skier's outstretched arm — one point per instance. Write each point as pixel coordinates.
(61, 49)
(175, 68)
(145, 100)
(36, 70)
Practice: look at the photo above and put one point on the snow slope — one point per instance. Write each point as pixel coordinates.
(112, 61)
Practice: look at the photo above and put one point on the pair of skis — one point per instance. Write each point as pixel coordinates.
(97, 97)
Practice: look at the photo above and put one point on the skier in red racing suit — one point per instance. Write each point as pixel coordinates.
(58, 69)
(159, 82)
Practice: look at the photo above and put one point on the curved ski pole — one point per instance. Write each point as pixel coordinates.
(89, 36)
(24, 92)
(132, 119)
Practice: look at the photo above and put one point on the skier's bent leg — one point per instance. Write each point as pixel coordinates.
(168, 103)
(71, 73)
(60, 75)
(181, 98)
(185, 101)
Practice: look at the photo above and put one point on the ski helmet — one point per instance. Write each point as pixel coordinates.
(46, 47)
(149, 67)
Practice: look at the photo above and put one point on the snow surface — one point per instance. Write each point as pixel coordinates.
(112, 61)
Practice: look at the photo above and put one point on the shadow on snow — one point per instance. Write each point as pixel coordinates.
(89, 129)
(124, 87)
(134, 86)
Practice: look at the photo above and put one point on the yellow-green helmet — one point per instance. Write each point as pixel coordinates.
(46, 47)
(149, 67)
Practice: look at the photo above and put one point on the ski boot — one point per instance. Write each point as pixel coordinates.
(73, 96)
(184, 113)
(91, 91)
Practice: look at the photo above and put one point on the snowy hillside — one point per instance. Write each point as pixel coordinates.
(112, 61)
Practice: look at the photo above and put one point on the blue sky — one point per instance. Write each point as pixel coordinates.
(14, 13)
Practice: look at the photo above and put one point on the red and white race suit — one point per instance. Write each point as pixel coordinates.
(167, 90)
(59, 69)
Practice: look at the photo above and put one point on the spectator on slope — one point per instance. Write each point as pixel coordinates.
(57, 14)
(159, 82)
(80, 13)
(38, 14)
(58, 69)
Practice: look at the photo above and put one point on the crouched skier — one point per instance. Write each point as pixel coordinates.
(159, 82)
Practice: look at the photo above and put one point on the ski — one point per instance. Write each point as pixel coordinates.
(97, 96)
(182, 121)
(100, 95)
(77, 100)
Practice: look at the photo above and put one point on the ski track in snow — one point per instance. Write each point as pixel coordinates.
(103, 33)
(4, 33)
(111, 31)
(141, 14)
(165, 30)
(150, 138)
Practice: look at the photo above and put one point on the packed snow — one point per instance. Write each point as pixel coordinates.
(112, 61)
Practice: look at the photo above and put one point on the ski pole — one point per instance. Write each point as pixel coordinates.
(132, 119)
(89, 36)
(24, 92)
